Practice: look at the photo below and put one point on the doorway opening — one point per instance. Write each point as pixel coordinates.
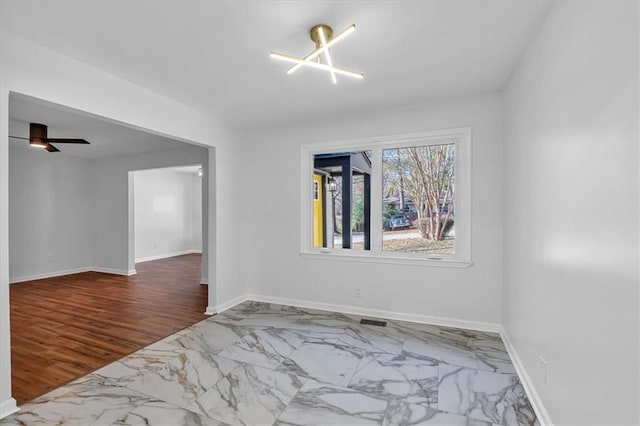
(76, 301)
(167, 213)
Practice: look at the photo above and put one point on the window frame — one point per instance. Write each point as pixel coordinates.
(461, 137)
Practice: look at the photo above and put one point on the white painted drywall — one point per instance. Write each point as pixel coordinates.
(167, 210)
(57, 210)
(571, 212)
(76, 85)
(196, 213)
(270, 208)
(112, 209)
(50, 201)
(227, 164)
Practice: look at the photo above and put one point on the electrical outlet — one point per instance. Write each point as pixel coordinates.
(543, 369)
(358, 292)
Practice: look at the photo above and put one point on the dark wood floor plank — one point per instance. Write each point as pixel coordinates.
(65, 327)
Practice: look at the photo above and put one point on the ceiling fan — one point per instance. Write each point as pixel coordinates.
(38, 138)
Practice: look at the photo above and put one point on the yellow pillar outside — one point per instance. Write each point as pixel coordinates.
(318, 212)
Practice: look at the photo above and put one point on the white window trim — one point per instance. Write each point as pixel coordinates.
(460, 136)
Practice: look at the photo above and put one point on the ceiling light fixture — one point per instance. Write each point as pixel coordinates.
(37, 135)
(325, 51)
(322, 35)
(38, 138)
(37, 143)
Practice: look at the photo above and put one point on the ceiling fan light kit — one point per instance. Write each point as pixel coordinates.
(37, 135)
(322, 36)
(38, 138)
(36, 143)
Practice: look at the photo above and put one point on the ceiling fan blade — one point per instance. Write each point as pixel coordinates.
(19, 137)
(66, 140)
(52, 148)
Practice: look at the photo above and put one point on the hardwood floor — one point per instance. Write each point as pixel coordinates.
(65, 327)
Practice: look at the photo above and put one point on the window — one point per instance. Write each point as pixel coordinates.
(418, 186)
(401, 198)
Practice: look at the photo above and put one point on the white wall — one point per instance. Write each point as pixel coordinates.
(270, 209)
(571, 212)
(112, 205)
(167, 204)
(68, 82)
(196, 213)
(50, 212)
(70, 214)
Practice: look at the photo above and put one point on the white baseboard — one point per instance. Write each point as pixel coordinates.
(114, 271)
(8, 407)
(48, 275)
(212, 310)
(527, 383)
(166, 255)
(22, 279)
(204, 281)
(400, 316)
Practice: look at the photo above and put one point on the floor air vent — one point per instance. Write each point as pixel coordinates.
(373, 322)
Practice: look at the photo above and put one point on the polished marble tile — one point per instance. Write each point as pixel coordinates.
(322, 404)
(159, 413)
(146, 361)
(494, 397)
(325, 319)
(249, 395)
(333, 363)
(183, 379)
(151, 357)
(408, 412)
(492, 356)
(265, 348)
(253, 307)
(119, 374)
(208, 336)
(398, 376)
(307, 333)
(258, 321)
(263, 363)
(441, 351)
(87, 402)
(388, 339)
(260, 315)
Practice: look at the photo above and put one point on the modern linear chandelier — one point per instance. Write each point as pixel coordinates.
(322, 35)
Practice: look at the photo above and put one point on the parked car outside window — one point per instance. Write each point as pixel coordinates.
(398, 221)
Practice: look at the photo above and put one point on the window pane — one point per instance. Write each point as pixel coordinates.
(418, 200)
(342, 216)
(357, 212)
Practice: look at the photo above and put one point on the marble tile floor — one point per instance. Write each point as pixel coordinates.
(267, 364)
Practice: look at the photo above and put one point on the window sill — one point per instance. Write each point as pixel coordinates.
(386, 258)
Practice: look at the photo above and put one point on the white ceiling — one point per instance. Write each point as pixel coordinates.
(107, 138)
(214, 55)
